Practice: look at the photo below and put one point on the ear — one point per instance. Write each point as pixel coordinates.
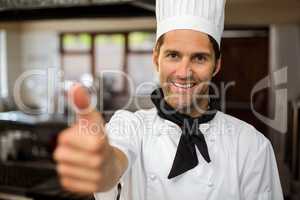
(155, 59)
(218, 66)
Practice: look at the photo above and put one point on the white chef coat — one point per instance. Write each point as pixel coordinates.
(242, 167)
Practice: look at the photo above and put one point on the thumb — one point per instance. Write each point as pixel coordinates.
(81, 102)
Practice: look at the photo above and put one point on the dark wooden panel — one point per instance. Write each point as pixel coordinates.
(245, 62)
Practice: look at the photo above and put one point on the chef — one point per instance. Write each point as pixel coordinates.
(183, 148)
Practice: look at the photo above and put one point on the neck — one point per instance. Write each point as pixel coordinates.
(195, 111)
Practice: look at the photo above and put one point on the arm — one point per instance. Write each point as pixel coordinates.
(259, 174)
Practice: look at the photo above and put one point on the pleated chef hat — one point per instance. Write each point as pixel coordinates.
(206, 16)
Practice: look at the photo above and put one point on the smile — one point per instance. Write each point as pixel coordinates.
(184, 86)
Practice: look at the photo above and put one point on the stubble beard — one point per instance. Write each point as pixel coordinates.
(193, 105)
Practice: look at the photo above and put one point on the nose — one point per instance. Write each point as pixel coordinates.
(183, 70)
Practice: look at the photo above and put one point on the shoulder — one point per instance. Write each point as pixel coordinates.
(248, 145)
(246, 135)
(139, 117)
(130, 126)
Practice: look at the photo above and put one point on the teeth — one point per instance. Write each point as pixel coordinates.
(185, 86)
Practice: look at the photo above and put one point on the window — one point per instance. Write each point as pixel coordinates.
(76, 55)
(141, 41)
(94, 53)
(110, 53)
(3, 66)
(114, 61)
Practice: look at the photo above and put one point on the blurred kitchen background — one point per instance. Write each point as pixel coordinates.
(46, 45)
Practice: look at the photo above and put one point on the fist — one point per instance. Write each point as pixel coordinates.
(83, 153)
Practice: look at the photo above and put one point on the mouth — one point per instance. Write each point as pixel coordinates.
(181, 87)
(184, 85)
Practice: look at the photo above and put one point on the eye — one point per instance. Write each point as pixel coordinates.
(200, 58)
(172, 55)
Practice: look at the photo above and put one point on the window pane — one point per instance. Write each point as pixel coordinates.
(142, 71)
(141, 41)
(80, 42)
(75, 66)
(110, 56)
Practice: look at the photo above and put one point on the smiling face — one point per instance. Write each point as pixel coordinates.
(186, 63)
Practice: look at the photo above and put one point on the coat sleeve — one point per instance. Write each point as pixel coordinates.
(124, 130)
(259, 176)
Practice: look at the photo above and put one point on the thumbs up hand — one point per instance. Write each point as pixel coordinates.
(86, 162)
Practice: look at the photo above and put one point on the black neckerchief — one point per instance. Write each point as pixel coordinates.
(186, 157)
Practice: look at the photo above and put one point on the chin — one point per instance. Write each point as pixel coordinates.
(179, 104)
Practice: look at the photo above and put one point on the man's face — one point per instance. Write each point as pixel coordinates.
(186, 63)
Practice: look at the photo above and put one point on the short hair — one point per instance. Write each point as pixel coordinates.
(214, 43)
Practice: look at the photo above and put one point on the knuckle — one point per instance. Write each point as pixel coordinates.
(62, 136)
(61, 154)
(60, 169)
(57, 155)
(65, 182)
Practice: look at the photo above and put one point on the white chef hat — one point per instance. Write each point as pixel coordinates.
(206, 16)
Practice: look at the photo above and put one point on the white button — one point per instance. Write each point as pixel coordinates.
(204, 127)
(152, 177)
(159, 132)
(212, 139)
(210, 184)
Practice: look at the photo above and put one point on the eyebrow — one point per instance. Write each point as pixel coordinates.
(195, 54)
(171, 51)
(204, 54)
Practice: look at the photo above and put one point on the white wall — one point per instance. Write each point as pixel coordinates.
(3, 64)
(29, 50)
(39, 51)
(3, 68)
(285, 51)
(95, 24)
